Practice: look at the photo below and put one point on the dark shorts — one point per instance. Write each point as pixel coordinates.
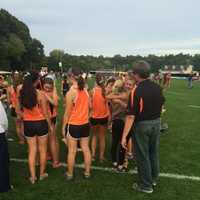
(35, 128)
(99, 121)
(53, 120)
(64, 93)
(13, 112)
(78, 131)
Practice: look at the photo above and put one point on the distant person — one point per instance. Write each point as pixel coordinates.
(13, 101)
(4, 155)
(167, 80)
(64, 86)
(145, 115)
(76, 122)
(190, 81)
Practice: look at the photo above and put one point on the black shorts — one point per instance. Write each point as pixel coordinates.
(13, 112)
(53, 120)
(99, 121)
(35, 128)
(78, 131)
(64, 93)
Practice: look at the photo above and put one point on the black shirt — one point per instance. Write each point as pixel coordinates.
(147, 101)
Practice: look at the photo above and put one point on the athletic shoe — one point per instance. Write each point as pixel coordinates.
(69, 177)
(44, 176)
(114, 164)
(87, 176)
(32, 180)
(154, 184)
(79, 150)
(139, 189)
(122, 169)
(129, 156)
(56, 165)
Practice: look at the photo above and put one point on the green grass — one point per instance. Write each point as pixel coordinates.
(179, 153)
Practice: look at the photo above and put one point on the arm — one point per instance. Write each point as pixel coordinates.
(68, 108)
(122, 96)
(133, 107)
(44, 104)
(118, 101)
(61, 86)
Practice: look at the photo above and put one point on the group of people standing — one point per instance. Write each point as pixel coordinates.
(130, 107)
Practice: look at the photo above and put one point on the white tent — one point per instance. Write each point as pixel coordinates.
(5, 72)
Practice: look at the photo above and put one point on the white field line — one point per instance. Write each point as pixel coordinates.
(176, 93)
(193, 106)
(106, 169)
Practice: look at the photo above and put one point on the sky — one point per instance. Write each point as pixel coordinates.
(110, 27)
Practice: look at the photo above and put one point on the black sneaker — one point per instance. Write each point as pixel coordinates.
(139, 189)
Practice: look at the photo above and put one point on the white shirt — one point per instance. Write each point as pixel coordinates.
(3, 119)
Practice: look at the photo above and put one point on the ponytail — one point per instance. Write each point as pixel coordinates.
(100, 83)
(28, 95)
(81, 83)
(76, 73)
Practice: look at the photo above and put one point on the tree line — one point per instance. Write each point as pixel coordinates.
(19, 51)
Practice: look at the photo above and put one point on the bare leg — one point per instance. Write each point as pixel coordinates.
(102, 142)
(19, 131)
(94, 140)
(72, 149)
(54, 147)
(87, 155)
(42, 146)
(32, 151)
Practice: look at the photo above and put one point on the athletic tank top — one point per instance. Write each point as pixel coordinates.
(80, 110)
(100, 107)
(34, 114)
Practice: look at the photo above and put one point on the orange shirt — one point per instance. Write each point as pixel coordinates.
(100, 107)
(34, 114)
(80, 110)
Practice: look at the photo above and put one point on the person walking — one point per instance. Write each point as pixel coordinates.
(145, 115)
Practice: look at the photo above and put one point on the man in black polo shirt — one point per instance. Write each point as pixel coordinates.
(144, 110)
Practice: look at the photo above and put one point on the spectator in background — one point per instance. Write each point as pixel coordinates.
(145, 115)
(190, 81)
(4, 156)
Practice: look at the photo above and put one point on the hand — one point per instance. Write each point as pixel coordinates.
(123, 142)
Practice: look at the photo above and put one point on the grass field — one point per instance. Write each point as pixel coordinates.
(179, 154)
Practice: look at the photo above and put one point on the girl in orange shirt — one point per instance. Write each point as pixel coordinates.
(52, 99)
(76, 122)
(34, 112)
(13, 101)
(99, 118)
